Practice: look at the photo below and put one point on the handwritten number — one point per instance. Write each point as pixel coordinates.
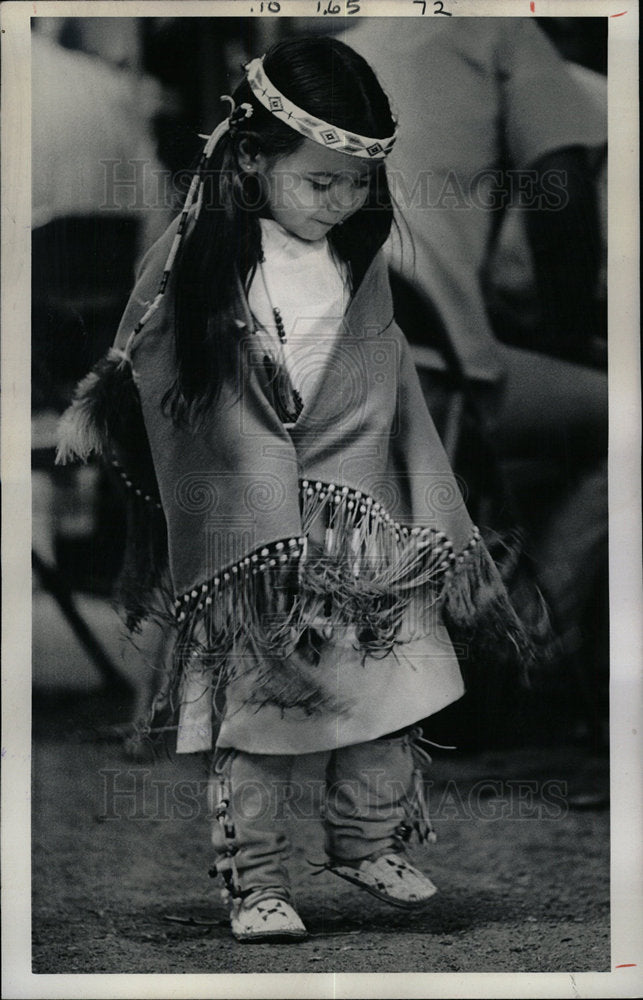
(438, 7)
(352, 7)
(273, 7)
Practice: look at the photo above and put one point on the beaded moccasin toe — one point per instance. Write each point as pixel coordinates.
(269, 919)
(391, 878)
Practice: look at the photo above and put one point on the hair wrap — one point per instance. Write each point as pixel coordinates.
(331, 136)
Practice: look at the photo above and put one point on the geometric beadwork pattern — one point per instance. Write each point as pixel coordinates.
(309, 126)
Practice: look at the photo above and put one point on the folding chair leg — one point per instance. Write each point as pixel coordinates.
(59, 590)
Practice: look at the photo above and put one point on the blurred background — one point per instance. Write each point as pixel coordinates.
(505, 305)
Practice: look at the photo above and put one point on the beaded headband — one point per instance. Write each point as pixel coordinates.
(308, 125)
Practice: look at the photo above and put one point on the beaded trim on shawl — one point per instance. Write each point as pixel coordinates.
(362, 540)
(372, 574)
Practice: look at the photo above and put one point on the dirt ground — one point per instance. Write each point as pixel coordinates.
(522, 865)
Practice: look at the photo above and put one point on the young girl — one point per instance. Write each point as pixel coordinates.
(288, 488)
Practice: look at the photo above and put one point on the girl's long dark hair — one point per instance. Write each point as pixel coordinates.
(218, 260)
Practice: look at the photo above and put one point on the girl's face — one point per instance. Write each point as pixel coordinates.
(314, 188)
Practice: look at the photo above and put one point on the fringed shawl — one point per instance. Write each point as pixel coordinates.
(276, 539)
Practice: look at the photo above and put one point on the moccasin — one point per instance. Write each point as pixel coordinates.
(266, 920)
(391, 878)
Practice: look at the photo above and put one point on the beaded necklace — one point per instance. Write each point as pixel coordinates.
(286, 399)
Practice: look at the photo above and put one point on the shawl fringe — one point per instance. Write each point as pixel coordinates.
(481, 618)
(270, 613)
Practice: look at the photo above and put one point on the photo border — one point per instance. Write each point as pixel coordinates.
(626, 633)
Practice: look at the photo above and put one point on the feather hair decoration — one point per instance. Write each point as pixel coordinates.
(105, 421)
(106, 396)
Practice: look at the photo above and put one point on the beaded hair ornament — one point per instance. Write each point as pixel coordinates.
(237, 114)
(330, 136)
